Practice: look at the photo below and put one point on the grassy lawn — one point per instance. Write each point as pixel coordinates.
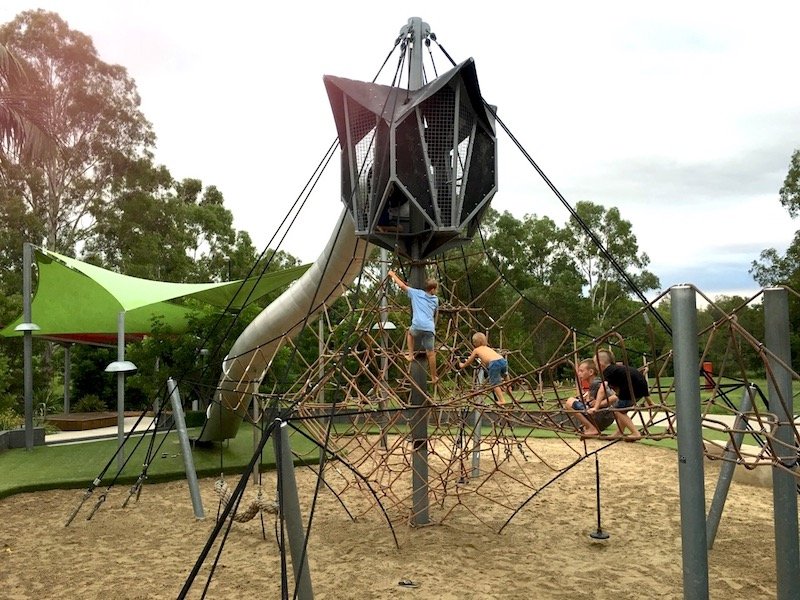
(76, 465)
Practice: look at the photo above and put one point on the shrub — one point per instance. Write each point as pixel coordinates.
(90, 403)
(10, 419)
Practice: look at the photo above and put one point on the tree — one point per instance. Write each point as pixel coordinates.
(790, 192)
(724, 347)
(772, 268)
(93, 110)
(604, 283)
(24, 135)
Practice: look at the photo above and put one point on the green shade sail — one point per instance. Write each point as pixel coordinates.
(79, 302)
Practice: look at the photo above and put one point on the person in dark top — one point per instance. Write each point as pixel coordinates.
(627, 385)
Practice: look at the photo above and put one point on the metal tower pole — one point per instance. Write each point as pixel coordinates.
(416, 28)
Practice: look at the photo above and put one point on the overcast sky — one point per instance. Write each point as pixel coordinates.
(684, 115)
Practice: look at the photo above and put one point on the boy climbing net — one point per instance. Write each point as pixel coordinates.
(495, 364)
(424, 306)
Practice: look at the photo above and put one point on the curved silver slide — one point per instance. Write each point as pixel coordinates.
(248, 359)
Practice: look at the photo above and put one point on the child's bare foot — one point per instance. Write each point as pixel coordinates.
(633, 437)
(410, 357)
(590, 433)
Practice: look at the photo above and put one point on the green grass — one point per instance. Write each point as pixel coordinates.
(76, 465)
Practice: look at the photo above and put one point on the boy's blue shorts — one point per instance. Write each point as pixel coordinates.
(497, 369)
(424, 338)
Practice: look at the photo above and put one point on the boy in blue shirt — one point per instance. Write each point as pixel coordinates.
(424, 304)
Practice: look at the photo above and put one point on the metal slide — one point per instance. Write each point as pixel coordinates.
(250, 356)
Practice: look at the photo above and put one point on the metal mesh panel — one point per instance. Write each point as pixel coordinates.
(466, 124)
(421, 180)
(410, 166)
(361, 124)
(480, 180)
(439, 115)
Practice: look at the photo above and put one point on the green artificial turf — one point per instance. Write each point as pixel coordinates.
(77, 465)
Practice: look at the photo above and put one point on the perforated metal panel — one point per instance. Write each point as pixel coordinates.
(418, 167)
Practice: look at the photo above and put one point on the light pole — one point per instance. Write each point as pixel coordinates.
(120, 367)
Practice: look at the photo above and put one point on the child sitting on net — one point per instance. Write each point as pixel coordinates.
(624, 386)
(590, 383)
(496, 365)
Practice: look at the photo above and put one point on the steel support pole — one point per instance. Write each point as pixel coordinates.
(67, 375)
(290, 508)
(690, 443)
(384, 348)
(27, 341)
(784, 485)
(186, 449)
(257, 432)
(727, 469)
(419, 423)
(321, 348)
(121, 389)
(476, 422)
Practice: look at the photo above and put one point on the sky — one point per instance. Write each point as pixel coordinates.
(683, 115)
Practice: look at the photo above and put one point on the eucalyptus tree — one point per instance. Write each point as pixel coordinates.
(92, 108)
(605, 285)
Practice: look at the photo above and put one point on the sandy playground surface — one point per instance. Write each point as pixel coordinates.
(147, 549)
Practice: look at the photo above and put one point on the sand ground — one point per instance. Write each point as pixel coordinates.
(147, 550)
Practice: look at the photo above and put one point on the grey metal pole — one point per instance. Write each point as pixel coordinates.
(476, 435)
(727, 469)
(256, 432)
(27, 341)
(321, 347)
(121, 388)
(290, 507)
(384, 344)
(690, 443)
(419, 424)
(186, 450)
(784, 485)
(419, 441)
(476, 443)
(67, 375)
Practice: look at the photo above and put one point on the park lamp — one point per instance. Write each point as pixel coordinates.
(121, 366)
(386, 325)
(27, 327)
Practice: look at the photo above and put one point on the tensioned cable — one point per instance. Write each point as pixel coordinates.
(600, 246)
(595, 240)
(370, 225)
(266, 433)
(516, 289)
(162, 392)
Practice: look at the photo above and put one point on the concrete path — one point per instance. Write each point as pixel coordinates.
(101, 433)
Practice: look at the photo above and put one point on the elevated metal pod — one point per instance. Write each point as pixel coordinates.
(419, 167)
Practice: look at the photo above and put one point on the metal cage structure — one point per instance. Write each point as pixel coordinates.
(419, 167)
